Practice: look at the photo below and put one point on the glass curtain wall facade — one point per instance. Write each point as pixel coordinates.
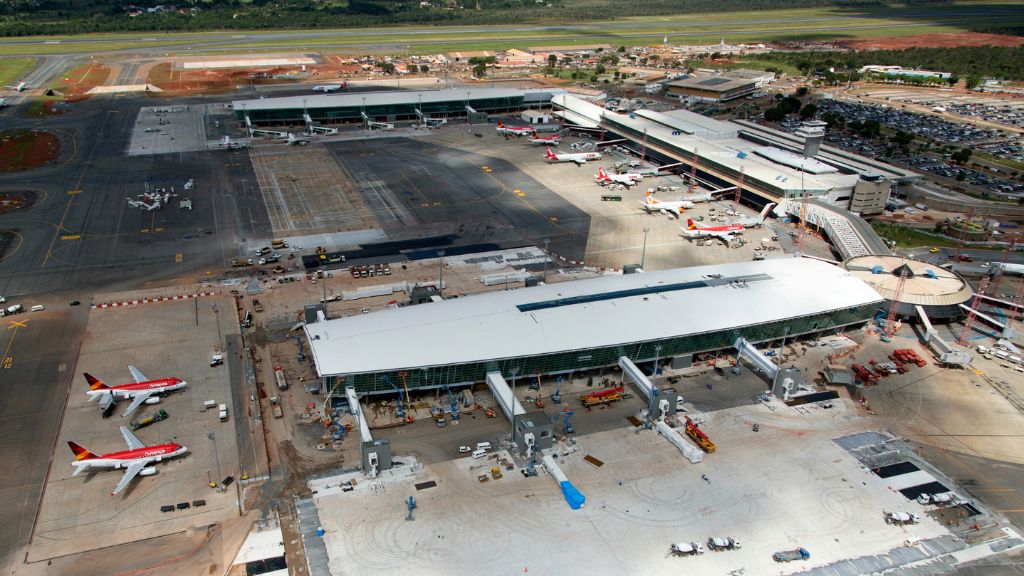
(574, 361)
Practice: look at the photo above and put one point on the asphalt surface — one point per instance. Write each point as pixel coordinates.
(425, 189)
(40, 350)
(83, 234)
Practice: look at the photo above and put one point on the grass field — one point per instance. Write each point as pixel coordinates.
(776, 25)
(14, 69)
(910, 237)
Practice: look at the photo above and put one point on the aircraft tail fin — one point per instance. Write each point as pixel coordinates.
(549, 154)
(500, 125)
(95, 383)
(690, 225)
(649, 198)
(80, 452)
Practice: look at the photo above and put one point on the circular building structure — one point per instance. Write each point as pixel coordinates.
(939, 291)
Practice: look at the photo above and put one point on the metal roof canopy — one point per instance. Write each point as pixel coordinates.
(386, 98)
(490, 326)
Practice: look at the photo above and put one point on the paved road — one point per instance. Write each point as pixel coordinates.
(40, 350)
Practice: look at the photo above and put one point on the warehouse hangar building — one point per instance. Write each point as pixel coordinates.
(586, 324)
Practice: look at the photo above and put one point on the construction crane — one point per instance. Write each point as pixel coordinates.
(958, 254)
(739, 187)
(408, 399)
(454, 403)
(801, 230)
(693, 172)
(605, 396)
(1015, 309)
(399, 409)
(567, 427)
(969, 322)
(890, 321)
(556, 396)
(1002, 263)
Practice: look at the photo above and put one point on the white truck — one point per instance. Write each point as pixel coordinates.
(937, 499)
(223, 408)
(728, 543)
(901, 518)
(686, 549)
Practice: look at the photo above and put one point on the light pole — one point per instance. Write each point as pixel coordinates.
(323, 281)
(546, 244)
(440, 273)
(643, 251)
(212, 436)
(512, 403)
(366, 122)
(216, 311)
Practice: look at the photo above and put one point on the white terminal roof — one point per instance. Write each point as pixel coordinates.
(346, 100)
(788, 158)
(716, 142)
(493, 326)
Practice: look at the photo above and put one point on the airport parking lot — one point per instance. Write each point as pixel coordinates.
(161, 339)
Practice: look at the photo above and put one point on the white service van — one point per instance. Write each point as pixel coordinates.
(479, 453)
(37, 308)
(1001, 355)
(982, 350)
(483, 445)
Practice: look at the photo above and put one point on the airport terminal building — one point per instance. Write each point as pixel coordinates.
(390, 106)
(585, 324)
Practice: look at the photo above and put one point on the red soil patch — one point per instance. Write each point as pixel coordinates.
(77, 82)
(23, 150)
(949, 40)
(170, 79)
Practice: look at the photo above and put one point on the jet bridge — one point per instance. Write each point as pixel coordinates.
(755, 357)
(375, 454)
(947, 354)
(503, 394)
(643, 384)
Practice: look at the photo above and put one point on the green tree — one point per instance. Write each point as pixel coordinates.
(774, 114)
(387, 68)
(424, 68)
(973, 82)
(480, 70)
(801, 92)
(961, 156)
(808, 111)
(621, 49)
(599, 69)
(789, 105)
(552, 60)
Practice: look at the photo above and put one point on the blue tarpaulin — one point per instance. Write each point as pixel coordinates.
(572, 495)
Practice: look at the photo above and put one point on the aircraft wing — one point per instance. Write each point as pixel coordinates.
(131, 472)
(580, 161)
(136, 402)
(133, 442)
(137, 374)
(677, 210)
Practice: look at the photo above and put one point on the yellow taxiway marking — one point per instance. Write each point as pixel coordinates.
(178, 258)
(8, 360)
(73, 192)
(71, 237)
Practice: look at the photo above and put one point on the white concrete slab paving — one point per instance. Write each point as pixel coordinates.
(788, 485)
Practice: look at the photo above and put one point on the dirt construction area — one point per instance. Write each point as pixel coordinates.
(163, 339)
(948, 40)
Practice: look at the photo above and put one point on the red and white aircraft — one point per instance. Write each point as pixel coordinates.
(552, 140)
(579, 157)
(726, 232)
(514, 130)
(142, 390)
(652, 204)
(627, 179)
(136, 460)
